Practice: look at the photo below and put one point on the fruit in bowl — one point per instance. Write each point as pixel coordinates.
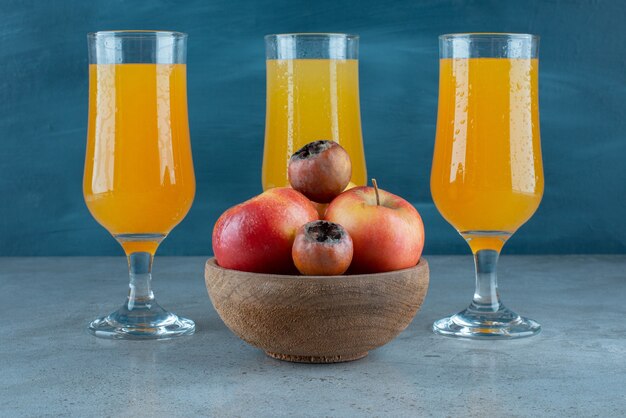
(320, 170)
(321, 207)
(320, 315)
(257, 235)
(386, 230)
(368, 230)
(322, 248)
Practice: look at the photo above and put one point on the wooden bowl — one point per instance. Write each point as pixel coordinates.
(317, 319)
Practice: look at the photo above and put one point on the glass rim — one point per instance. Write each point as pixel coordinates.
(348, 36)
(137, 34)
(488, 35)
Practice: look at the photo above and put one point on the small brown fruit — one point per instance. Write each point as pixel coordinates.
(320, 170)
(322, 248)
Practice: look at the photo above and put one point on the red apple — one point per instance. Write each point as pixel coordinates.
(257, 235)
(387, 231)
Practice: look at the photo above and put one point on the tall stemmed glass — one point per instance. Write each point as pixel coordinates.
(139, 181)
(487, 174)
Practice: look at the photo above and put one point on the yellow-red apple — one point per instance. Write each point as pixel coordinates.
(387, 231)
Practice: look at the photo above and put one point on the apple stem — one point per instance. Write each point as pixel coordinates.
(376, 191)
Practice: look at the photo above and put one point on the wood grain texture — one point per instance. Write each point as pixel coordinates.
(317, 319)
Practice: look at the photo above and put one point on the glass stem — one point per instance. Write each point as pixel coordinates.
(140, 294)
(486, 297)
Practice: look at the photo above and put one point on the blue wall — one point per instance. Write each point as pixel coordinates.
(43, 110)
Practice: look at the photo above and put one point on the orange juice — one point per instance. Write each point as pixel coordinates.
(139, 177)
(487, 175)
(309, 100)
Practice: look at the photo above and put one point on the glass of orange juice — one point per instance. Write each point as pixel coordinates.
(139, 180)
(312, 94)
(487, 173)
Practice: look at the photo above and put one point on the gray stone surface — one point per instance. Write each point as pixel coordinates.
(50, 365)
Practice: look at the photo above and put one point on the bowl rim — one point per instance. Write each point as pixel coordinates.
(421, 264)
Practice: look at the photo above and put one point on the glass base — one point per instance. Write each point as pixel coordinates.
(502, 324)
(151, 322)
